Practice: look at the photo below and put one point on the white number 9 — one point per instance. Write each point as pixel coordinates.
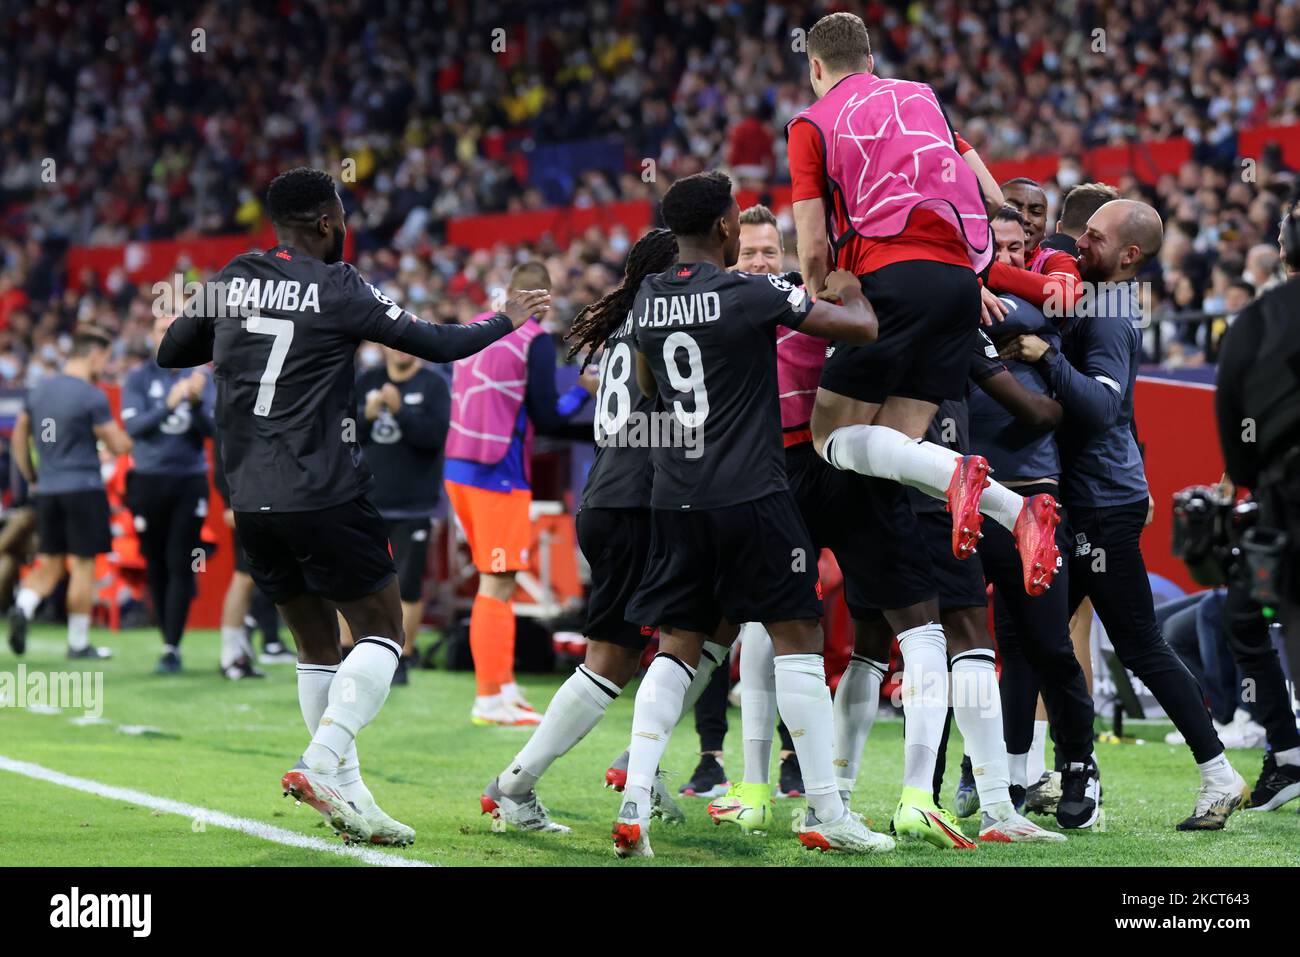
(694, 383)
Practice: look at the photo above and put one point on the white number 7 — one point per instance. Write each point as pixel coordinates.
(282, 329)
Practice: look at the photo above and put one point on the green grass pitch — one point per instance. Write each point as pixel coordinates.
(223, 746)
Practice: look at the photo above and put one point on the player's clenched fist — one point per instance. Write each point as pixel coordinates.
(837, 284)
(525, 303)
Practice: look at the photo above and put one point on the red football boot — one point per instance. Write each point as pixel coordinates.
(1036, 541)
(969, 480)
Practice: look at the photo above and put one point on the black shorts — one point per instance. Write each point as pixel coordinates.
(236, 546)
(615, 542)
(73, 523)
(241, 556)
(749, 562)
(410, 540)
(960, 582)
(857, 518)
(339, 553)
(929, 316)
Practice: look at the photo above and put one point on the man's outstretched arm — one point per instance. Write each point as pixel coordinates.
(387, 323)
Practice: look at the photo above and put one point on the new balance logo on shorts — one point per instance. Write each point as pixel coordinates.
(1081, 545)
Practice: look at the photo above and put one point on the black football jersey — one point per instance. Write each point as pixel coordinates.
(282, 329)
(710, 337)
(625, 428)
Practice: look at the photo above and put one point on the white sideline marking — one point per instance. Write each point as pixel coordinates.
(267, 832)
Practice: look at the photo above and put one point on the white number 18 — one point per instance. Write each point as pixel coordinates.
(613, 398)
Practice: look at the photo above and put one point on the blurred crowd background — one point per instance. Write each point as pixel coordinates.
(447, 109)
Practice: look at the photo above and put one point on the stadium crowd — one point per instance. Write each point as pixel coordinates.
(156, 131)
(512, 135)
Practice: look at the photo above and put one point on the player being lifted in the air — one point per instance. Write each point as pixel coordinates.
(880, 189)
(726, 539)
(283, 346)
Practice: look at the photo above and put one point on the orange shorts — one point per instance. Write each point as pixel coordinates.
(497, 525)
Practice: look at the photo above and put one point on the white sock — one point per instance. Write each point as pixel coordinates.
(487, 702)
(1217, 770)
(712, 655)
(1017, 764)
(977, 709)
(857, 699)
(1001, 504)
(233, 642)
(576, 708)
(1037, 752)
(1290, 756)
(27, 602)
(313, 692)
(350, 784)
(805, 705)
(658, 706)
(313, 697)
(889, 454)
(510, 692)
(358, 691)
(925, 701)
(757, 701)
(78, 632)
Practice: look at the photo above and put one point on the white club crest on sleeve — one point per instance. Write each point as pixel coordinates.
(795, 295)
(394, 310)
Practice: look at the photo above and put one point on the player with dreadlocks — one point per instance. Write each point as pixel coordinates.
(727, 543)
(613, 525)
(654, 252)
